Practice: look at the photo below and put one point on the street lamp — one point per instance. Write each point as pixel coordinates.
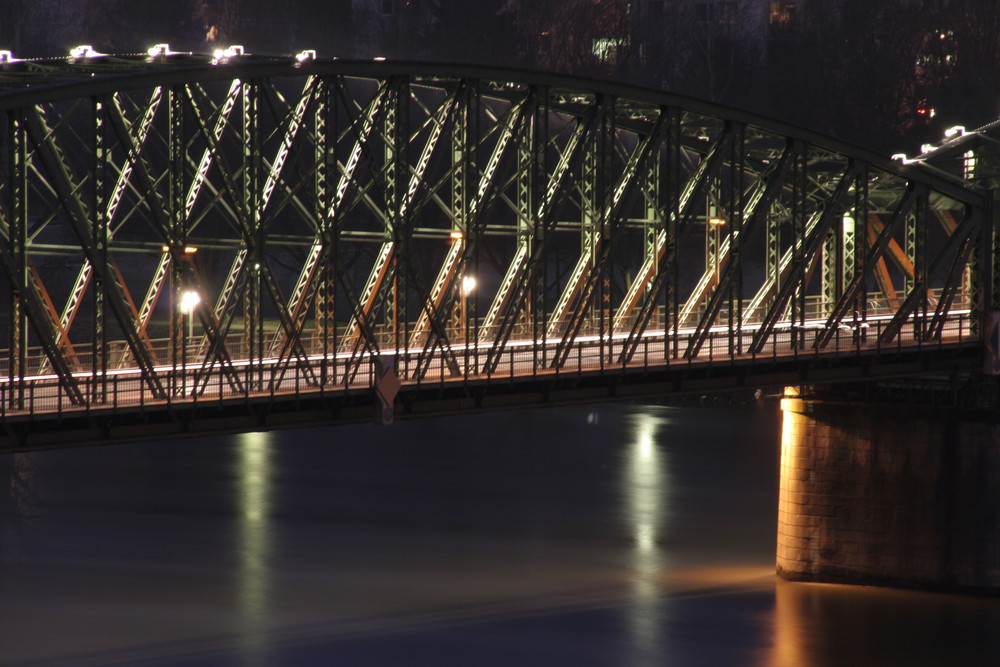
(466, 287)
(716, 224)
(189, 301)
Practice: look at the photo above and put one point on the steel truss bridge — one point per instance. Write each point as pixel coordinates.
(217, 242)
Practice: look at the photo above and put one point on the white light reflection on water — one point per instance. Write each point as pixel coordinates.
(646, 484)
(254, 494)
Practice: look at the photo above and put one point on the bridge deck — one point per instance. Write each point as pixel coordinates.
(525, 366)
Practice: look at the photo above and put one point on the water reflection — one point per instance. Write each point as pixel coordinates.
(583, 536)
(645, 482)
(19, 501)
(253, 503)
(824, 624)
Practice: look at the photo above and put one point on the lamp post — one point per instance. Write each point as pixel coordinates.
(467, 288)
(189, 301)
(716, 223)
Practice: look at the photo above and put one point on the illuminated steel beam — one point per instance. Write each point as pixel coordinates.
(654, 273)
(26, 294)
(516, 119)
(585, 275)
(28, 309)
(444, 118)
(337, 185)
(527, 261)
(847, 299)
(944, 269)
(292, 125)
(965, 236)
(760, 202)
(72, 306)
(218, 320)
(364, 128)
(797, 270)
(62, 182)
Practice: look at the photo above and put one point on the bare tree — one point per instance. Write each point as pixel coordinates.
(471, 32)
(394, 28)
(15, 16)
(713, 51)
(576, 36)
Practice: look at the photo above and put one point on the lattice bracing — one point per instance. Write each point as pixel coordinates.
(221, 225)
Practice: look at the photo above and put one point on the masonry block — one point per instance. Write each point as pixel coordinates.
(889, 495)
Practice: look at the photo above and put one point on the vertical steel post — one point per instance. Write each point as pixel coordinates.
(253, 326)
(921, 221)
(672, 293)
(100, 239)
(461, 171)
(530, 229)
(591, 204)
(606, 224)
(738, 204)
(18, 241)
(985, 297)
(175, 140)
(800, 186)
(324, 156)
(861, 222)
(833, 267)
(395, 139)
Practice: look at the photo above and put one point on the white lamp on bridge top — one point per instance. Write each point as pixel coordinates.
(159, 50)
(468, 284)
(84, 51)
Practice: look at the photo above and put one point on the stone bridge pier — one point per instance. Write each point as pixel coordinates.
(888, 493)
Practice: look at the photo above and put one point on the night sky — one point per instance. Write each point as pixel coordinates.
(888, 75)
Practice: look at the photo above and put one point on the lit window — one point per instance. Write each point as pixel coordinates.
(781, 14)
(606, 49)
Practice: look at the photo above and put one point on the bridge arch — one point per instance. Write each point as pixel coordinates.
(468, 223)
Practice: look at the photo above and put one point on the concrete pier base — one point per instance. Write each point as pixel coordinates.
(889, 495)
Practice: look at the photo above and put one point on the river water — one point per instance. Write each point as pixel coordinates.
(599, 535)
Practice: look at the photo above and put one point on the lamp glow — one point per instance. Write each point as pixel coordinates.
(189, 301)
(222, 55)
(83, 51)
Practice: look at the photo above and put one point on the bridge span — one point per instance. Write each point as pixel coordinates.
(196, 242)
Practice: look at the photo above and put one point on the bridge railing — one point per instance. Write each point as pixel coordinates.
(192, 351)
(330, 372)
